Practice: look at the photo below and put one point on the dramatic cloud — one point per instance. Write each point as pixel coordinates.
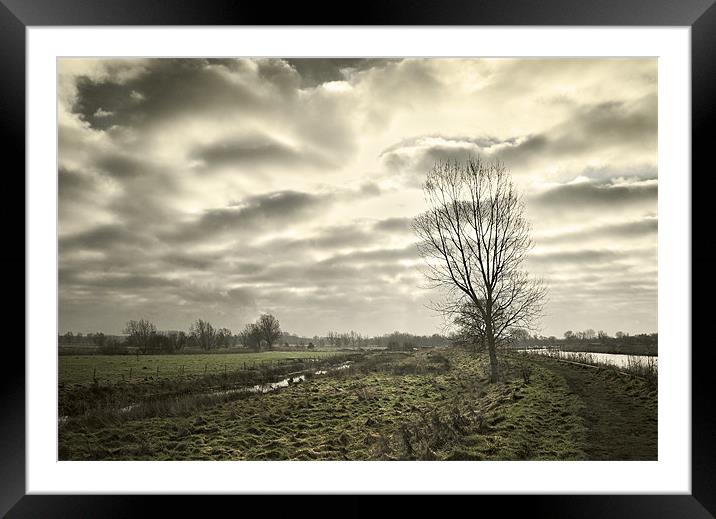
(254, 150)
(316, 71)
(642, 229)
(223, 188)
(612, 129)
(597, 195)
(262, 213)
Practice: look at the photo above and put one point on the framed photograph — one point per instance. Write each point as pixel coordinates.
(424, 253)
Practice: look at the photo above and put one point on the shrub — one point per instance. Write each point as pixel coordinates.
(112, 347)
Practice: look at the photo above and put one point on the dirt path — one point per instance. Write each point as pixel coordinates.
(620, 415)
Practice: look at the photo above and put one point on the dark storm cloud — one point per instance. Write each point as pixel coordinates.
(97, 280)
(189, 260)
(122, 166)
(340, 236)
(407, 82)
(109, 97)
(579, 257)
(279, 205)
(590, 128)
(268, 211)
(315, 71)
(425, 159)
(101, 238)
(305, 274)
(340, 275)
(74, 187)
(168, 88)
(373, 257)
(400, 225)
(596, 195)
(357, 235)
(256, 150)
(221, 91)
(646, 227)
(189, 292)
(370, 189)
(241, 296)
(608, 293)
(418, 155)
(618, 121)
(332, 238)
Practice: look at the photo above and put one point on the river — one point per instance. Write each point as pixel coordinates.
(615, 359)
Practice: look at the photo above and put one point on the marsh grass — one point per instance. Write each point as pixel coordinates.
(169, 396)
(427, 405)
(648, 369)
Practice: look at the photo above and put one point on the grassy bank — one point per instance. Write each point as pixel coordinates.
(619, 409)
(422, 405)
(645, 368)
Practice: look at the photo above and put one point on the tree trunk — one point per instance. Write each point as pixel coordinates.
(490, 336)
(494, 374)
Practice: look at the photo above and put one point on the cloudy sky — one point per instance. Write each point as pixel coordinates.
(224, 188)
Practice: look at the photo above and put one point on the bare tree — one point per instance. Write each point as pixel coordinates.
(140, 334)
(520, 335)
(203, 334)
(99, 339)
(269, 329)
(250, 337)
(474, 238)
(224, 338)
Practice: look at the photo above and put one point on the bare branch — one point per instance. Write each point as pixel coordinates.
(474, 238)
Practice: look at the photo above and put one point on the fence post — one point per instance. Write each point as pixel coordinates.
(157, 371)
(130, 373)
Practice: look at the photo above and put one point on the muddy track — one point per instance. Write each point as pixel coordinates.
(621, 420)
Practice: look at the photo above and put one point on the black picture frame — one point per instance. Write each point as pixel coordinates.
(700, 15)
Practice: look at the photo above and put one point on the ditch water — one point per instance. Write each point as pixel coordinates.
(616, 359)
(258, 388)
(272, 386)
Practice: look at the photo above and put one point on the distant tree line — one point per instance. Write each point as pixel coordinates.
(408, 341)
(591, 340)
(142, 337)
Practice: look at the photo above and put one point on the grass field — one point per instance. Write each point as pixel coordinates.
(82, 369)
(434, 404)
